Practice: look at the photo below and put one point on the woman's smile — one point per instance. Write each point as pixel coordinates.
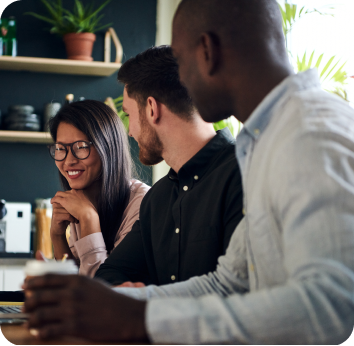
(75, 174)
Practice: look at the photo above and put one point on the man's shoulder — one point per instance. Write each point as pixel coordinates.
(225, 161)
(310, 127)
(161, 186)
(317, 110)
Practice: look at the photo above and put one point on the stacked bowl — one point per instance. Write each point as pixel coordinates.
(21, 118)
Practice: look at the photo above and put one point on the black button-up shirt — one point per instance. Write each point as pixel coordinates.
(186, 220)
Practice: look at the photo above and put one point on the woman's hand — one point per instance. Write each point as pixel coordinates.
(80, 209)
(75, 203)
(61, 219)
(131, 284)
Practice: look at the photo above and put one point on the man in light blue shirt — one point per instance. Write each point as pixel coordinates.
(288, 274)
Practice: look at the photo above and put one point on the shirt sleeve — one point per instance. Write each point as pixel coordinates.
(233, 208)
(127, 262)
(71, 241)
(131, 215)
(315, 305)
(91, 251)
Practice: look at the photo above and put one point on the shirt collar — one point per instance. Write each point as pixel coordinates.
(200, 162)
(261, 116)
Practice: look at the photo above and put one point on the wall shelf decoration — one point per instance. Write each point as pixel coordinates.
(62, 66)
(25, 137)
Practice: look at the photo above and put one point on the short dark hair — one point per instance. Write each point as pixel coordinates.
(154, 72)
(106, 131)
(243, 25)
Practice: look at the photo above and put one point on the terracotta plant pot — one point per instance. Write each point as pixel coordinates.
(79, 46)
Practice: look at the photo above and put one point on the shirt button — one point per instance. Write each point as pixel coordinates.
(196, 177)
(185, 188)
(256, 131)
(243, 211)
(251, 267)
(173, 278)
(177, 230)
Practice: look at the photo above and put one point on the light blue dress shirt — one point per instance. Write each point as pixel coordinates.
(288, 274)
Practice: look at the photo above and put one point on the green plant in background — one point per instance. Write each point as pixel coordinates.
(118, 103)
(332, 74)
(81, 19)
(228, 123)
(291, 15)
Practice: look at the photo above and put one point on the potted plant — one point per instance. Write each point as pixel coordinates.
(77, 27)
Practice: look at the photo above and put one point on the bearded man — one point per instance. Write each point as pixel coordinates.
(188, 217)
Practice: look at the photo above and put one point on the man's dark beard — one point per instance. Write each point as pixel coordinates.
(149, 143)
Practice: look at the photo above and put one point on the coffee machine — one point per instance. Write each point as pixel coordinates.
(15, 228)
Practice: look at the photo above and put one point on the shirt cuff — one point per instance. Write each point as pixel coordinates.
(90, 243)
(190, 321)
(133, 292)
(167, 322)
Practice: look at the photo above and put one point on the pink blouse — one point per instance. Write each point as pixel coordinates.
(90, 251)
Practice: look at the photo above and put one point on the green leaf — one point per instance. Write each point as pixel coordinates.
(330, 71)
(50, 9)
(311, 58)
(224, 123)
(341, 75)
(303, 62)
(51, 21)
(104, 27)
(99, 9)
(60, 8)
(80, 10)
(293, 12)
(318, 63)
(301, 10)
(326, 66)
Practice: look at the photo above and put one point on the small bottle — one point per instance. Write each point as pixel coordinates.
(69, 98)
(3, 36)
(12, 42)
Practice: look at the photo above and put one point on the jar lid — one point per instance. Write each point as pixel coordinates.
(43, 203)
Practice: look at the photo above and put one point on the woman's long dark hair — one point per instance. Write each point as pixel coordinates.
(105, 130)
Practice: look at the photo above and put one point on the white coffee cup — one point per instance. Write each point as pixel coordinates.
(36, 268)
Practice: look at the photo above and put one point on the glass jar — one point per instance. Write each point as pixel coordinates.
(44, 211)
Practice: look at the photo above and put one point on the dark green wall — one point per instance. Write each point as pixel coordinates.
(26, 170)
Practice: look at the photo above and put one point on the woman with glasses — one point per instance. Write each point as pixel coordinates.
(100, 200)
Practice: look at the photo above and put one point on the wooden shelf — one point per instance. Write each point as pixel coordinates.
(25, 137)
(62, 66)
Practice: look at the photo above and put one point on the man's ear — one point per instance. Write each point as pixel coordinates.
(209, 53)
(153, 110)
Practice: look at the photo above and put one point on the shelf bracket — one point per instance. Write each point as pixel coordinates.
(111, 34)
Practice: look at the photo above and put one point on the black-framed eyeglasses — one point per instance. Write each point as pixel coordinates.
(80, 149)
